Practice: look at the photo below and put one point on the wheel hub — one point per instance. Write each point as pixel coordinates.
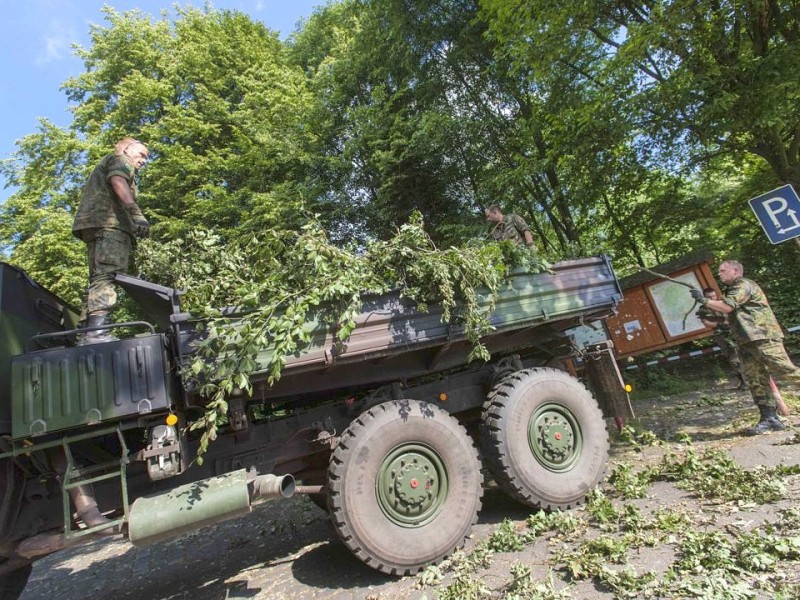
(412, 485)
(554, 437)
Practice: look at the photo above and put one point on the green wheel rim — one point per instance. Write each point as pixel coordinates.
(411, 485)
(555, 437)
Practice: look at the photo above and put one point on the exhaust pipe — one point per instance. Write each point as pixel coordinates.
(82, 498)
(160, 517)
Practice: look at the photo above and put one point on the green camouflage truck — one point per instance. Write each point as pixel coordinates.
(383, 431)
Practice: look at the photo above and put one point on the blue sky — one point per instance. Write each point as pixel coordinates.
(37, 55)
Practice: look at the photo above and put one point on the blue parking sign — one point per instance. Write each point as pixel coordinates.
(778, 212)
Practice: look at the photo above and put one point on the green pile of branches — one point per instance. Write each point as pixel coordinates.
(283, 283)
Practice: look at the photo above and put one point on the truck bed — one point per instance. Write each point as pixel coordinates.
(394, 340)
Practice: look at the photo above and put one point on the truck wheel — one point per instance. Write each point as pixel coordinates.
(12, 492)
(12, 583)
(544, 438)
(405, 486)
(321, 500)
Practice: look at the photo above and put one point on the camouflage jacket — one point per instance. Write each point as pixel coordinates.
(100, 207)
(752, 318)
(512, 227)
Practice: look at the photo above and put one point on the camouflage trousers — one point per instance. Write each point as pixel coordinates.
(727, 348)
(762, 359)
(109, 253)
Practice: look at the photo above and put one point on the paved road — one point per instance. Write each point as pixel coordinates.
(285, 549)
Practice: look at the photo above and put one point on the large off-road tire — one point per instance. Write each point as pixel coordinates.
(544, 438)
(320, 500)
(405, 486)
(14, 573)
(12, 491)
(13, 583)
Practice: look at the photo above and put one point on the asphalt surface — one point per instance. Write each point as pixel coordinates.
(284, 549)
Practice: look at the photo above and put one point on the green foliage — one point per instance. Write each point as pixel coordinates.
(709, 563)
(595, 123)
(700, 78)
(505, 538)
(705, 551)
(670, 521)
(638, 438)
(711, 475)
(790, 518)
(588, 559)
(626, 583)
(463, 567)
(629, 483)
(565, 523)
(287, 285)
(714, 474)
(525, 586)
(36, 222)
(601, 508)
(465, 587)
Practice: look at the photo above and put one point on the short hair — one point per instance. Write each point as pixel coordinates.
(494, 207)
(124, 144)
(708, 290)
(735, 264)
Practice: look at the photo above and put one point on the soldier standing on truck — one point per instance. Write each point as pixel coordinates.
(759, 338)
(721, 336)
(108, 220)
(511, 227)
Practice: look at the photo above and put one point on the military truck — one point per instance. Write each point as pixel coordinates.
(389, 432)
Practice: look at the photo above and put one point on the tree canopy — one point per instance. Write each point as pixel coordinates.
(634, 129)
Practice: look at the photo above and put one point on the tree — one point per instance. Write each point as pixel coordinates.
(223, 113)
(390, 144)
(701, 78)
(421, 106)
(35, 222)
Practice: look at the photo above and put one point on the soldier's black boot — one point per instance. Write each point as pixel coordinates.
(742, 383)
(769, 422)
(97, 319)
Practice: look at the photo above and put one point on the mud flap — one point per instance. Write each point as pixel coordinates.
(605, 380)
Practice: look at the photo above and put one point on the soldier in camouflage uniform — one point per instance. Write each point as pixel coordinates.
(759, 338)
(511, 227)
(108, 220)
(721, 336)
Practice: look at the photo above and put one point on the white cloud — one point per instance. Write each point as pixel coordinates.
(56, 45)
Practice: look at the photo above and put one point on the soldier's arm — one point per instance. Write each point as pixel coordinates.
(719, 306)
(738, 294)
(528, 237)
(522, 227)
(123, 191)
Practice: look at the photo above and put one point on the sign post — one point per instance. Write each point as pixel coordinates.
(778, 212)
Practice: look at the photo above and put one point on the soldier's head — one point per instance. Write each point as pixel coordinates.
(729, 271)
(133, 150)
(494, 214)
(710, 293)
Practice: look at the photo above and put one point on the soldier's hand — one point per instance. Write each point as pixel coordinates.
(696, 294)
(142, 227)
